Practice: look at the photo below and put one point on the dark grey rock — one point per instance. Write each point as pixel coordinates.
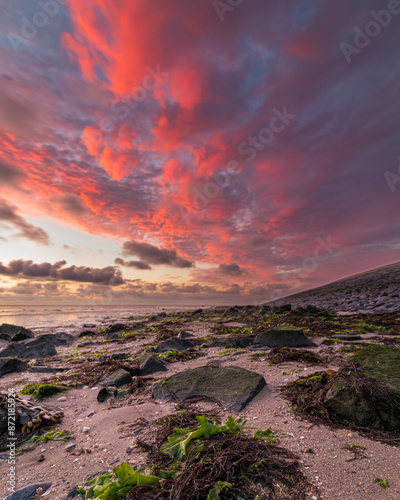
(37, 348)
(150, 364)
(28, 492)
(118, 327)
(106, 393)
(184, 335)
(16, 333)
(12, 365)
(174, 344)
(290, 337)
(118, 378)
(47, 369)
(87, 333)
(223, 343)
(112, 336)
(233, 386)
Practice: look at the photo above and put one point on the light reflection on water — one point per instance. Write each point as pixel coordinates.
(71, 316)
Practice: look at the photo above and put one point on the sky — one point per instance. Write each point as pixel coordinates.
(195, 151)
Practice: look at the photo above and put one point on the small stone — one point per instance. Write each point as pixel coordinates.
(70, 446)
(76, 460)
(63, 398)
(85, 430)
(40, 458)
(91, 414)
(80, 420)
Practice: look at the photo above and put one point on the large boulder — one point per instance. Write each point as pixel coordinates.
(118, 378)
(381, 362)
(29, 349)
(15, 333)
(174, 344)
(232, 385)
(347, 400)
(278, 337)
(149, 364)
(11, 365)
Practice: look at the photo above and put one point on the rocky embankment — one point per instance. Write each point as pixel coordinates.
(268, 402)
(370, 292)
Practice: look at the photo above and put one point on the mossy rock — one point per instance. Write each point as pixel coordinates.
(345, 400)
(381, 363)
(285, 336)
(232, 385)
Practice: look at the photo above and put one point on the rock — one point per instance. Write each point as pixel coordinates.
(150, 364)
(28, 492)
(112, 336)
(282, 309)
(174, 344)
(291, 337)
(119, 355)
(47, 369)
(184, 335)
(16, 333)
(106, 393)
(346, 337)
(73, 493)
(223, 343)
(29, 349)
(233, 386)
(118, 327)
(86, 333)
(118, 378)
(86, 430)
(245, 341)
(12, 365)
(381, 362)
(55, 339)
(345, 400)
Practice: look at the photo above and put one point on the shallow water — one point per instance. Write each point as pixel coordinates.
(72, 318)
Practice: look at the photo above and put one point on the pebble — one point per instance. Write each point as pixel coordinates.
(80, 420)
(63, 398)
(86, 430)
(76, 460)
(91, 414)
(70, 446)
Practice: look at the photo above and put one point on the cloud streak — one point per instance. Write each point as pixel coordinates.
(8, 214)
(157, 256)
(28, 269)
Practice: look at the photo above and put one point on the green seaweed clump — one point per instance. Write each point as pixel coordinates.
(42, 391)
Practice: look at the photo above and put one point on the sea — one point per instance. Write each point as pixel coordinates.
(75, 318)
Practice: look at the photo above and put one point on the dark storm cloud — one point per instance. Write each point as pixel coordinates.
(137, 264)
(27, 269)
(155, 255)
(230, 269)
(73, 204)
(8, 213)
(9, 175)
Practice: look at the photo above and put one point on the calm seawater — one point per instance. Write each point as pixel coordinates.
(72, 318)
